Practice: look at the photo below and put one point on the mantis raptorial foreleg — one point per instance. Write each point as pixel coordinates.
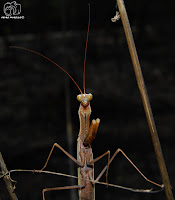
(92, 131)
(61, 188)
(112, 158)
(70, 156)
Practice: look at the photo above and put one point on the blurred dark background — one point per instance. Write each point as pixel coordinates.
(33, 92)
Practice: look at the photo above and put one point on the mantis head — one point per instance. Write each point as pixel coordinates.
(84, 99)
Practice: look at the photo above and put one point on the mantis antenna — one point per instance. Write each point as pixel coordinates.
(26, 49)
(86, 50)
(16, 47)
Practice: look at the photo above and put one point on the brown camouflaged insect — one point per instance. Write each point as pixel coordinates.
(87, 133)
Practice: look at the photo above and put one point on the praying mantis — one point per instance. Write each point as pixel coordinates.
(87, 133)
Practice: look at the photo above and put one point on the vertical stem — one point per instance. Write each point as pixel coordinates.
(68, 108)
(145, 99)
(7, 180)
(69, 134)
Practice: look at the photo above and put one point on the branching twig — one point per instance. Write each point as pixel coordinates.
(145, 98)
(75, 177)
(7, 179)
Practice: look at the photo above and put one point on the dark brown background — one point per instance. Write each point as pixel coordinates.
(32, 91)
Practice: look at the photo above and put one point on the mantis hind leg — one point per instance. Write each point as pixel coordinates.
(112, 158)
(107, 166)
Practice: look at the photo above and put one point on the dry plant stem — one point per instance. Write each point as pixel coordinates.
(145, 99)
(69, 134)
(75, 177)
(7, 180)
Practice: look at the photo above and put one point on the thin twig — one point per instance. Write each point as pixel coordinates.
(7, 179)
(69, 134)
(145, 98)
(75, 177)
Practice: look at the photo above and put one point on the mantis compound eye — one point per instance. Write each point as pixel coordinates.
(89, 97)
(79, 97)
